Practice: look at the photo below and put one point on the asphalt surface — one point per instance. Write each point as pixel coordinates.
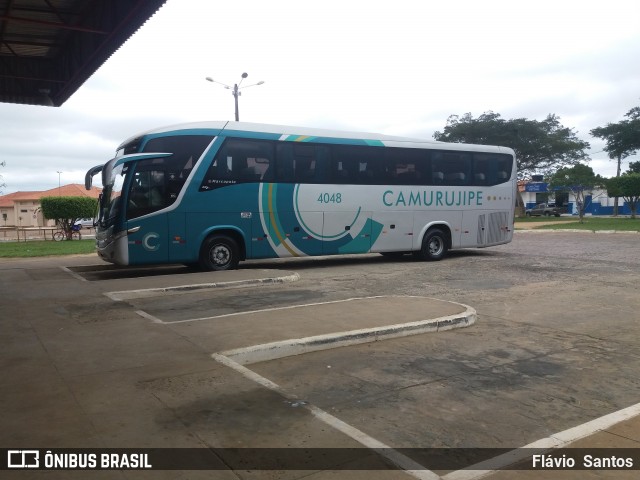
(97, 357)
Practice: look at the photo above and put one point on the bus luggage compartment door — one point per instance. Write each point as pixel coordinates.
(286, 234)
(347, 232)
(397, 231)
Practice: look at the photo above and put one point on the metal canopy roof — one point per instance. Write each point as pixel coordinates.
(49, 48)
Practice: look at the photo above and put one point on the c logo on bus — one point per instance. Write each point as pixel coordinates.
(149, 245)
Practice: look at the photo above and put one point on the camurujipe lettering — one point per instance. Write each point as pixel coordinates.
(432, 198)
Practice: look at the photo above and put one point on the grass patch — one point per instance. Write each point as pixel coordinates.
(546, 219)
(620, 224)
(39, 248)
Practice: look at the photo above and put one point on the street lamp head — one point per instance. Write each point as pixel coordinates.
(235, 90)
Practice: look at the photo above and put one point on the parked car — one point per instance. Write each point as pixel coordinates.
(85, 222)
(546, 209)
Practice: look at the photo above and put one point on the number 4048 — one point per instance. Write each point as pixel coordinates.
(330, 198)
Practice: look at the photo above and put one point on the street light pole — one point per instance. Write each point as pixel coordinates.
(235, 90)
(59, 173)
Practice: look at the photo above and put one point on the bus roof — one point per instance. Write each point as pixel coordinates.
(216, 127)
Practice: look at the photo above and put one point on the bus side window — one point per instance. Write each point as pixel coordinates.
(284, 163)
(298, 163)
(359, 165)
(491, 169)
(239, 161)
(453, 168)
(505, 167)
(482, 174)
(408, 166)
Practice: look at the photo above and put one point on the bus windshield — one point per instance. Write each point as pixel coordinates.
(110, 201)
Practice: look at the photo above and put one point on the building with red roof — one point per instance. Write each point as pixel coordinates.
(22, 209)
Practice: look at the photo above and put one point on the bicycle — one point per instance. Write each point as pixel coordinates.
(62, 235)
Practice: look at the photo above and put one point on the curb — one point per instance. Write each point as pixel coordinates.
(299, 346)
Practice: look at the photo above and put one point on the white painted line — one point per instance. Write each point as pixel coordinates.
(557, 440)
(236, 359)
(148, 316)
(248, 312)
(74, 274)
(274, 309)
(576, 433)
(405, 463)
(464, 319)
(154, 292)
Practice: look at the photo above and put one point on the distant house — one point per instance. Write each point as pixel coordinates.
(22, 209)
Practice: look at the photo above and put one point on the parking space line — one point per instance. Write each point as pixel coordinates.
(264, 310)
(74, 274)
(119, 296)
(556, 440)
(464, 319)
(148, 316)
(403, 462)
(238, 358)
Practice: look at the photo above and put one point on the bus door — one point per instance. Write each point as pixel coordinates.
(146, 224)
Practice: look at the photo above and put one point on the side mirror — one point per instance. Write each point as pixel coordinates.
(88, 178)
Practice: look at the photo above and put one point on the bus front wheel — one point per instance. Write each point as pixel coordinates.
(434, 245)
(219, 252)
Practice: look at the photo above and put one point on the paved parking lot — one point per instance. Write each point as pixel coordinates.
(102, 357)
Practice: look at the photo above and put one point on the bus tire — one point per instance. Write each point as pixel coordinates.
(219, 252)
(434, 245)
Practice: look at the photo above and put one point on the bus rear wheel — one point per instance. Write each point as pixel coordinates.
(434, 245)
(219, 252)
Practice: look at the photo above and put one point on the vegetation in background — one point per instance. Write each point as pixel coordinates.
(540, 146)
(578, 180)
(67, 210)
(622, 140)
(41, 248)
(626, 186)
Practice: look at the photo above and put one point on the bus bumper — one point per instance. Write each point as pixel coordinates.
(116, 251)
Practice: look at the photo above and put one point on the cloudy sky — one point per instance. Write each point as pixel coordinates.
(398, 68)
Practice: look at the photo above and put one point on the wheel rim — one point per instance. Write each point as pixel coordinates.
(436, 246)
(220, 255)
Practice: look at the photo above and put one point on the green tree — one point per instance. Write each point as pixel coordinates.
(578, 180)
(540, 146)
(626, 186)
(634, 167)
(622, 139)
(67, 210)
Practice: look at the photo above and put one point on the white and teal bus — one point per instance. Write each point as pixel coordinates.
(215, 193)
